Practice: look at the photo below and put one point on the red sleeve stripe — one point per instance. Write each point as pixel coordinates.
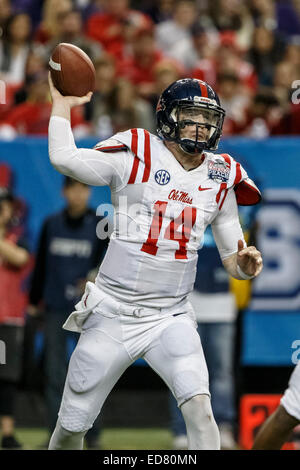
(134, 141)
(238, 175)
(203, 90)
(136, 161)
(112, 148)
(147, 157)
(225, 194)
(222, 187)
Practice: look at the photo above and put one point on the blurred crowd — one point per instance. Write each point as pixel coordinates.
(248, 50)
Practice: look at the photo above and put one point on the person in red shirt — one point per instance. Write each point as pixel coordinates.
(32, 116)
(110, 27)
(139, 68)
(289, 123)
(222, 58)
(14, 268)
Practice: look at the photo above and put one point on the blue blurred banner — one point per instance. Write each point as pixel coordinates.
(271, 326)
(272, 322)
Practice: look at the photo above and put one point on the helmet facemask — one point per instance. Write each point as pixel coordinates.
(198, 127)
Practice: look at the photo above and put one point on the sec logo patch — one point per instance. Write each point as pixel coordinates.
(162, 177)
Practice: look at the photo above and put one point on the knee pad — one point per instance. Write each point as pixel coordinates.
(182, 346)
(74, 419)
(187, 383)
(88, 367)
(85, 371)
(65, 439)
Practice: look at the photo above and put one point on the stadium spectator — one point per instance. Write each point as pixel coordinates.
(225, 58)
(71, 31)
(233, 98)
(128, 109)
(160, 10)
(88, 8)
(165, 72)
(17, 93)
(261, 115)
(68, 254)
(53, 12)
(174, 36)
(138, 67)
(281, 16)
(285, 73)
(109, 27)
(5, 13)
(292, 53)
(233, 15)
(118, 109)
(98, 110)
(116, 102)
(35, 64)
(230, 58)
(14, 263)
(14, 48)
(266, 51)
(32, 116)
(263, 13)
(289, 122)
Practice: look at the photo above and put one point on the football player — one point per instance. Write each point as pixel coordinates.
(277, 428)
(165, 190)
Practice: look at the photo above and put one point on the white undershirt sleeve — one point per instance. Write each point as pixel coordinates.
(226, 227)
(89, 166)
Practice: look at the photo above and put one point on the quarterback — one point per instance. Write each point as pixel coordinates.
(138, 305)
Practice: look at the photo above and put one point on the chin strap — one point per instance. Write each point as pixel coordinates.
(192, 147)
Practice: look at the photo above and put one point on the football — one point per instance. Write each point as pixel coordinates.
(72, 71)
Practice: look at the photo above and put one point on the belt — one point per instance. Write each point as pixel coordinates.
(135, 311)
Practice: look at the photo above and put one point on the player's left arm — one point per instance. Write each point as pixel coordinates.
(240, 261)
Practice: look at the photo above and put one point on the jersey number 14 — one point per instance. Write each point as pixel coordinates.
(186, 220)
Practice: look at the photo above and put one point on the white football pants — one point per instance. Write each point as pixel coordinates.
(111, 341)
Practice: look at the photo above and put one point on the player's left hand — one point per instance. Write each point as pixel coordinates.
(249, 259)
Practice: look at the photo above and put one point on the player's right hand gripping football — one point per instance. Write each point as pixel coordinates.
(68, 101)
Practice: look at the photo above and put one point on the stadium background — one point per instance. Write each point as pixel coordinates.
(261, 114)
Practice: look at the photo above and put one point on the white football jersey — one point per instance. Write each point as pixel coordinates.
(161, 210)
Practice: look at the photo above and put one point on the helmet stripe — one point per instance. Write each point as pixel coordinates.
(204, 92)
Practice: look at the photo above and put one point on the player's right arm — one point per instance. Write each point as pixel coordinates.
(89, 166)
